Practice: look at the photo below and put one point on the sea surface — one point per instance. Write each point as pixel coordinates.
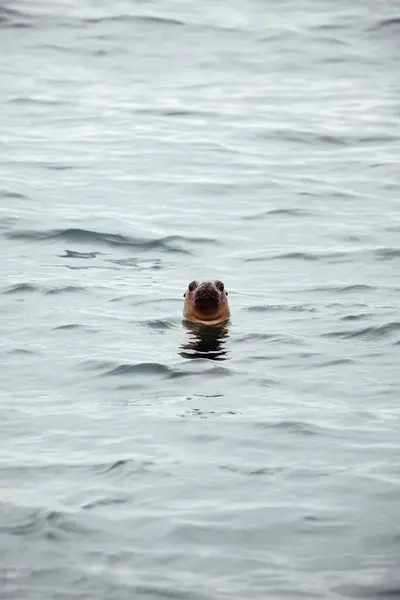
(144, 144)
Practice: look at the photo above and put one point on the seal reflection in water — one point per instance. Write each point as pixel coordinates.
(206, 313)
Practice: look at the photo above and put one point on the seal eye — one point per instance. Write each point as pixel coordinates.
(192, 286)
(220, 286)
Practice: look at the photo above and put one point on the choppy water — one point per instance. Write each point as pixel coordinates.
(144, 144)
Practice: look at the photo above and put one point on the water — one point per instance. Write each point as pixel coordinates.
(144, 144)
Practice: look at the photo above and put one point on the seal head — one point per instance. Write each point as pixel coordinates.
(206, 302)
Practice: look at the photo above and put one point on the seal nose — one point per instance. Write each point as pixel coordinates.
(206, 298)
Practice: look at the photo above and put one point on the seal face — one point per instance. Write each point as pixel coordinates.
(206, 302)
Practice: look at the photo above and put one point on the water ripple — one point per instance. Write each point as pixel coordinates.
(21, 288)
(124, 18)
(113, 239)
(139, 369)
(298, 255)
(370, 333)
(280, 307)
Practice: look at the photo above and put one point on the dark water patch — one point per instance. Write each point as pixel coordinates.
(369, 333)
(388, 23)
(56, 167)
(67, 289)
(139, 369)
(280, 307)
(270, 357)
(12, 195)
(69, 326)
(21, 288)
(10, 17)
(37, 100)
(369, 592)
(87, 236)
(128, 466)
(75, 254)
(387, 253)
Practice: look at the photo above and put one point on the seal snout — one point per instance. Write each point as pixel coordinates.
(206, 298)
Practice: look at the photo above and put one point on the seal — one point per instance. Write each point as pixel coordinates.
(206, 303)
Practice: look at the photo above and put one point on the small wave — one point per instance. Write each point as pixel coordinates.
(124, 464)
(307, 256)
(21, 288)
(139, 369)
(308, 137)
(286, 256)
(253, 472)
(368, 332)
(290, 212)
(45, 522)
(13, 195)
(298, 427)
(358, 287)
(312, 138)
(113, 239)
(251, 337)
(69, 326)
(104, 502)
(356, 317)
(158, 324)
(335, 362)
(134, 18)
(75, 254)
(67, 289)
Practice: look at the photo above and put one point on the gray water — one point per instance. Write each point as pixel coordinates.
(145, 144)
